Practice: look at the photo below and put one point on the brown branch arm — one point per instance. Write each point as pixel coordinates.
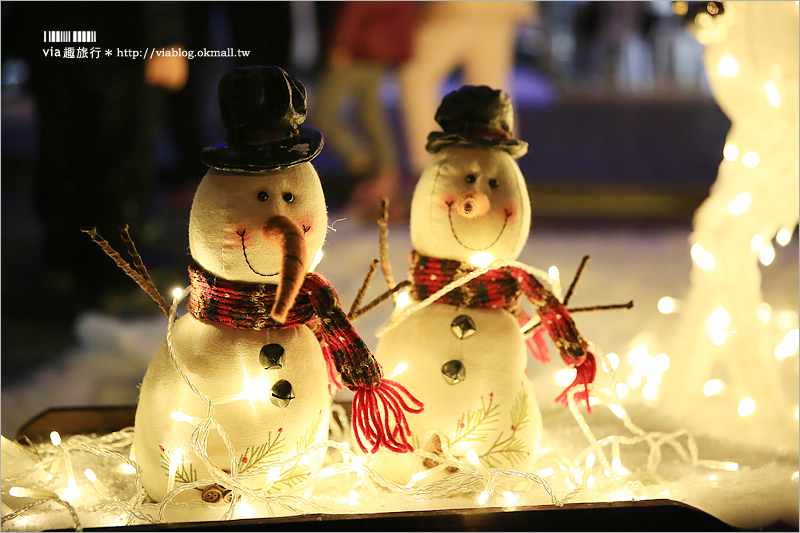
(138, 264)
(383, 239)
(364, 286)
(120, 262)
(576, 278)
(377, 301)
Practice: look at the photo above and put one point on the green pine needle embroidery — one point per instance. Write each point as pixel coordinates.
(295, 475)
(310, 435)
(473, 426)
(512, 449)
(185, 473)
(254, 455)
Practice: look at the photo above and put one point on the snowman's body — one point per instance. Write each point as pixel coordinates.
(490, 406)
(234, 367)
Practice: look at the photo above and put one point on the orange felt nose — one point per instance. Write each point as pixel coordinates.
(473, 205)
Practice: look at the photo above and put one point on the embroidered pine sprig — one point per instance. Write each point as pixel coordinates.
(512, 449)
(292, 477)
(182, 474)
(472, 426)
(310, 435)
(257, 454)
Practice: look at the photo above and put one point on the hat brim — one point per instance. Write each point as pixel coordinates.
(303, 147)
(438, 140)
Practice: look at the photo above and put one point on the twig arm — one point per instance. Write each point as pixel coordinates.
(383, 239)
(364, 286)
(576, 278)
(377, 301)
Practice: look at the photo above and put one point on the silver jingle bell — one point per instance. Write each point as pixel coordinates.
(281, 394)
(463, 326)
(271, 356)
(454, 372)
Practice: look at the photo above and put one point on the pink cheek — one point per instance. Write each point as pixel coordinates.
(307, 224)
(510, 212)
(448, 200)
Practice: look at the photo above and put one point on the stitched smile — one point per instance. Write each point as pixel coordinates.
(453, 230)
(244, 251)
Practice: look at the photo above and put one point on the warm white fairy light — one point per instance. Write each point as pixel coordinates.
(766, 255)
(553, 273)
(127, 469)
(545, 472)
(565, 376)
(661, 363)
(399, 369)
(482, 259)
(740, 204)
(622, 390)
(55, 438)
(746, 407)
(717, 325)
(617, 410)
(757, 243)
(511, 498)
(317, 259)
(666, 305)
(613, 360)
(773, 96)
(590, 460)
(728, 66)
(634, 381)
(472, 457)
(649, 391)
(788, 346)
(177, 292)
(92, 477)
(712, 387)
(763, 312)
(483, 498)
(797, 413)
(787, 319)
(751, 159)
(174, 462)
(702, 257)
(730, 152)
(784, 237)
(403, 299)
(617, 468)
(795, 477)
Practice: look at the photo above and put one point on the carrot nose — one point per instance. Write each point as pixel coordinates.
(473, 205)
(288, 238)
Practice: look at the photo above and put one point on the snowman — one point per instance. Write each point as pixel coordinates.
(243, 378)
(460, 338)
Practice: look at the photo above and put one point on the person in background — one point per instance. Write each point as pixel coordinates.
(98, 116)
(477, 36)
(368, 41)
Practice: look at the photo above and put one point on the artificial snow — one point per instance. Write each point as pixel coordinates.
(643, 264)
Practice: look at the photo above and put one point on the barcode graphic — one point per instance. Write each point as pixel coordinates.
(70, 36)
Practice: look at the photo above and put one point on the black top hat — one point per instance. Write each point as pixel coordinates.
(476, 116)
(262, 109)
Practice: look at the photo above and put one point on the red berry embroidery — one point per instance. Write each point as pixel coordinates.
(244, 459)
(513, 428)
(462, 425)
(160, 447)
(280, 430)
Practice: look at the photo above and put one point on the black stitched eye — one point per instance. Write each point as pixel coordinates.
(493, 183)
(471, 178)
(262, 196)
(288, 197)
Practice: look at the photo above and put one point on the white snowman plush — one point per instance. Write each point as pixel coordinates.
(265, 336)
(464, 353)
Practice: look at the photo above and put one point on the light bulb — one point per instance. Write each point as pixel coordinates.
(757, 243)
(613, 360)
(773, 97)
(746, 407)
(472, 457)
(728, 66)
(751, 159)
(177, 292)
(482, 259)
(403, 299)
(565, 376)
(766, 255)
(622, 390)
(55, 438)
(483, 498)
(712, 387)
(783, 237)
(763, 312)
(544, 472)
(730, 152)
(702, 257)
(740, 204)
(666, 305)
(661, 363)
(553, 273)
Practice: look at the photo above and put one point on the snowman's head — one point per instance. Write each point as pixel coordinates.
(241, 223)
(470, 201)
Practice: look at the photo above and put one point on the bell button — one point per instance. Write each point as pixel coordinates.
(463, 326)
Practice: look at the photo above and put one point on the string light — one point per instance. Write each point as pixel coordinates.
(717, 325)
(565, 376)
(751, 159)
(788, 346)
(511, 498)
(622, 390)
(746, 407)
(482, 259)
(773, 97)
(702, 257)
(763, 312)
(666, 305)
(403, 299)
(712, 387)
(553, 273)
(728, 66)
(730, 152)
(740, 204)
(177, 292)
(174, 462)
(787, 319)
(783, 237)
(766, 255)
(757, 243)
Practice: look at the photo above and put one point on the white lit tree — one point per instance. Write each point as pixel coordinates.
(726, 374)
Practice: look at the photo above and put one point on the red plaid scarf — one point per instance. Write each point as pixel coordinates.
(503, 288)
(247, 306)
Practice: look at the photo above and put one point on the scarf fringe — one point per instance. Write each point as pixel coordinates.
(586, 374)
(536, 344)
(388, 398)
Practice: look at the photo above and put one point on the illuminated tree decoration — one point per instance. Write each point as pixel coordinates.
(725, 373)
